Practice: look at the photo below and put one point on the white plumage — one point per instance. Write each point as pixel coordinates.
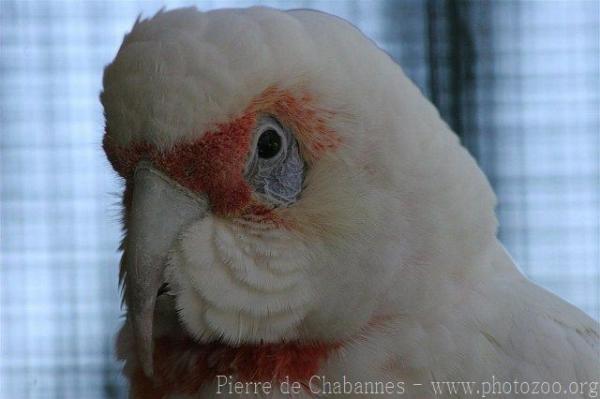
(392, 247)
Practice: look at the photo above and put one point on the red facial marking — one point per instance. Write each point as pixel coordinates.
(214, 164)
(303, 116)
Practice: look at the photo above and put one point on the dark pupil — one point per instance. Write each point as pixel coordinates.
(269, 144)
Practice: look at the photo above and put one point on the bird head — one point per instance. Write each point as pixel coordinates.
(282, 176)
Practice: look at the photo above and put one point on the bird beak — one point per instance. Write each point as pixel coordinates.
(160, 210)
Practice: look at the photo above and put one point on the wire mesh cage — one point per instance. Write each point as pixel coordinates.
(518, 81)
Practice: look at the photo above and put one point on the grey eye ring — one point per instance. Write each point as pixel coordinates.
(275, 168)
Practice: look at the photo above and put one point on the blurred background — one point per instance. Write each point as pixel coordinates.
(519, 81)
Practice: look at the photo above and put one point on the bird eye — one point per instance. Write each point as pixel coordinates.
(269, 144)
(275, 168)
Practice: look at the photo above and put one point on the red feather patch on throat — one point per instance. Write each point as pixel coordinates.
(183, 366)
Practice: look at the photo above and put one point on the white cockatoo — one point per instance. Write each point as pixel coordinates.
(296, 212)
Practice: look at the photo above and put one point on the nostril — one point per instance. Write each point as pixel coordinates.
(164, 290)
